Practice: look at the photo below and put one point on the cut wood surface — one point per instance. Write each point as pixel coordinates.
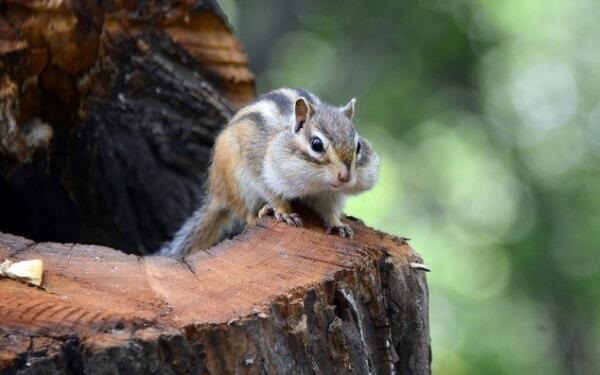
(274, 300)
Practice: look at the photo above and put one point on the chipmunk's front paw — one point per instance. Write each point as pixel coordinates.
(267, 210)
(289, 218)
(343, 230)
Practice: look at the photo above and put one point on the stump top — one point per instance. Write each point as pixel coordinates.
(94, 287)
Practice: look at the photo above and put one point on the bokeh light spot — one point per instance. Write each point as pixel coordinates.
(545, 95)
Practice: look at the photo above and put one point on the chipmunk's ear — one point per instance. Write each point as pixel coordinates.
(303, 110)
(348, 109)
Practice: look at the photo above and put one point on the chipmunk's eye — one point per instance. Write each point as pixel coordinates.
(358, 146)
(316, 144)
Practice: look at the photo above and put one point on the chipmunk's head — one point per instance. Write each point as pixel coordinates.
(327, 140)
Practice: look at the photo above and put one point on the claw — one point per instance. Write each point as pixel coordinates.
(296, 219)
(267, 210)
(346, 232)
(343, 230)
(292, 219)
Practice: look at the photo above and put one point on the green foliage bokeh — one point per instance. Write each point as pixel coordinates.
(487, 118)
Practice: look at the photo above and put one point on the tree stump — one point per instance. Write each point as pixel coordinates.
(274, 300)
(108, 111)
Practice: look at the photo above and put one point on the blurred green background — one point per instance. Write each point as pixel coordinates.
(487, 118)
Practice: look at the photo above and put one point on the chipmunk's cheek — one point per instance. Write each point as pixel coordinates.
(321, 179)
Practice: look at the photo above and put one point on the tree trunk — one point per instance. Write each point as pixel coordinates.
(108, 111)
(275, 300)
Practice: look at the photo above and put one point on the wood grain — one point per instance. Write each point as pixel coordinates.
(275, 299)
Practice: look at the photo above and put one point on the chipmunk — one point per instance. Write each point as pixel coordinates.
(286, 145)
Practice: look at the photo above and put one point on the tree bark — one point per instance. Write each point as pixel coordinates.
(108, 111)
(275, 300)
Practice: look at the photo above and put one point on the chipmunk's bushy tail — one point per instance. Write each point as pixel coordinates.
(203, 229)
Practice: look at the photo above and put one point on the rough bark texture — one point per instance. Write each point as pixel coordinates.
(108, 111)
(275, 300)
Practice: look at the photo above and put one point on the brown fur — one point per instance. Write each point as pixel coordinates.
(260, 162)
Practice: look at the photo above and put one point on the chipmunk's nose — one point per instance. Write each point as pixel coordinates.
(344, 177)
